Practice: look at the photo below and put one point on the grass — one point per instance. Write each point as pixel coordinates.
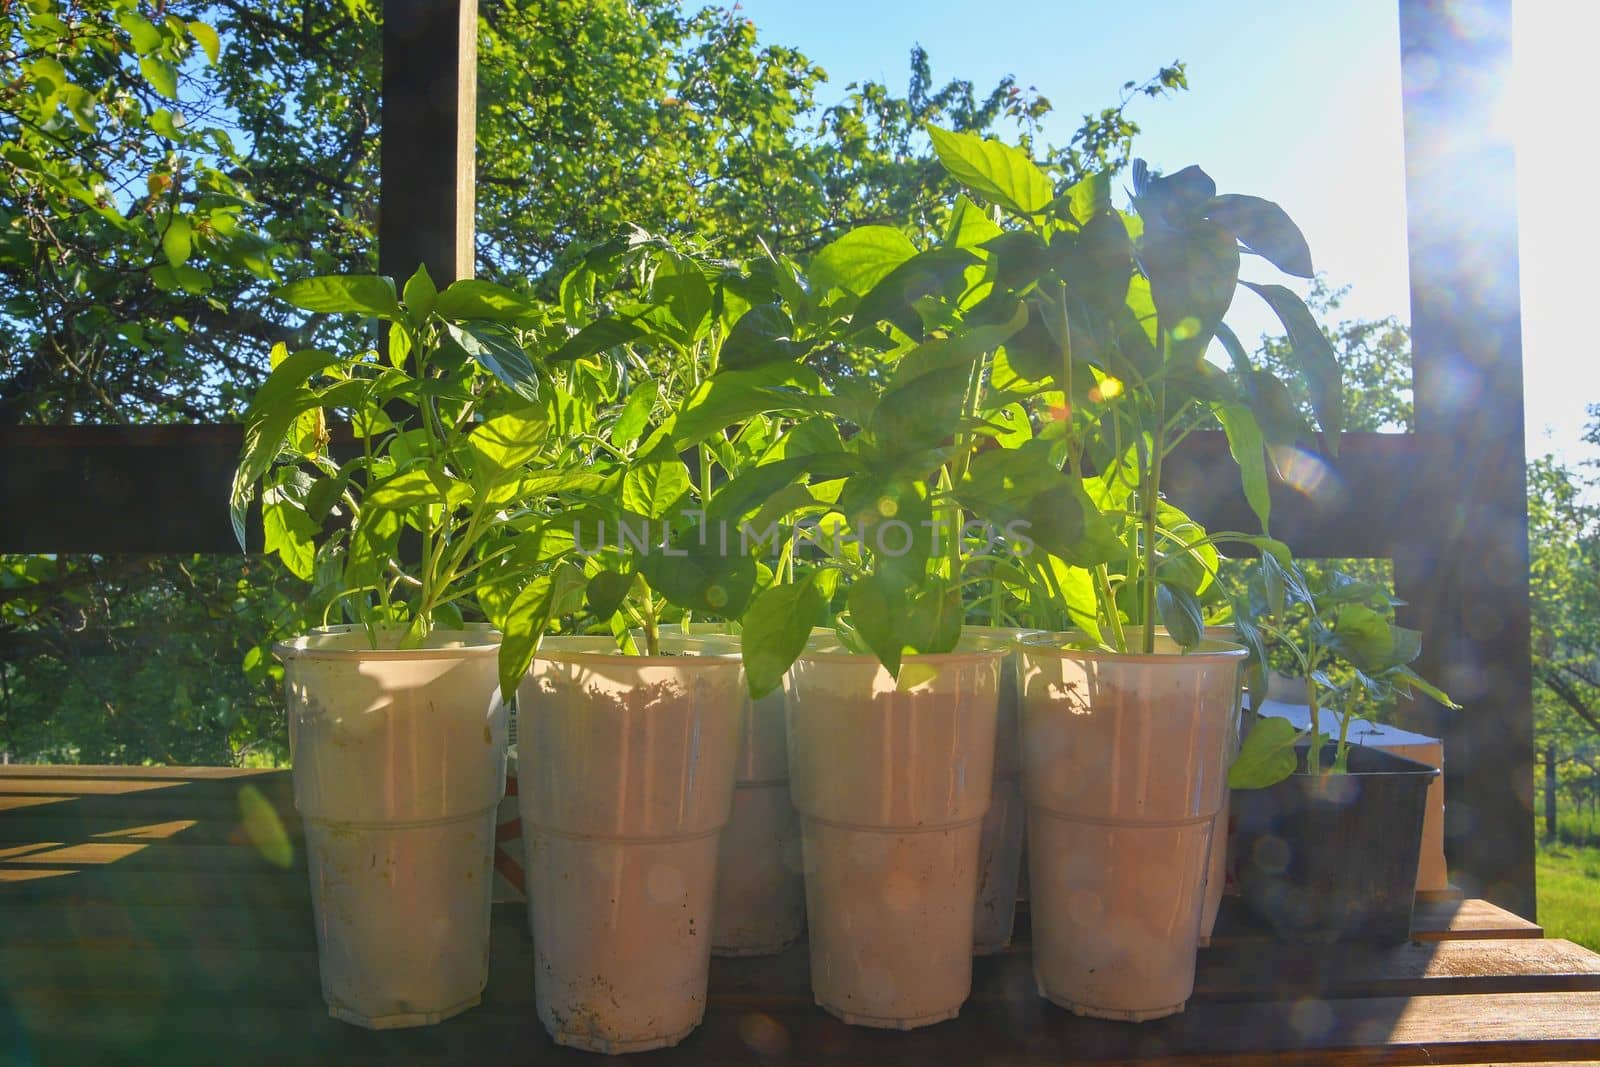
(1569, 892)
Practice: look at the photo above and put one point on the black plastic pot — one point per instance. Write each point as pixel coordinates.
(1333, 857)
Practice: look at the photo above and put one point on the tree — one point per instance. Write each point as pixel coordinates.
(165, 163)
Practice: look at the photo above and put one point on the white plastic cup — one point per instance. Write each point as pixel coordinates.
(626, 779)
(1217, 862)
(1124, 769)
(761, 892)
(892, 785)
(399, 762)
(1000, 846)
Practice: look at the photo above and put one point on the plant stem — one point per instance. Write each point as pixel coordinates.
(1314, 757)
(1152, 509)
(652, 639)
(1102, 577)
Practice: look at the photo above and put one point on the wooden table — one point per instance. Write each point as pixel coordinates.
(141, 920)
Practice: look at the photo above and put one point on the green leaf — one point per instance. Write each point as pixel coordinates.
(1017, 258)
(420, 295)
(602, 335)
(1314, 359)
(734, 396)
(273, 411)
(1265, 229)
(407, 489)
(876, 606)
(922, 403)
(935, 616)
(1097, 263)
(1283, 584)
(997, 172)
(700, 578)
(143, 33)
(1267, 755)
(162, 76)
(970, 225)
(1078, 595)
(192, 280)
(471, 298)
(1236, 353)
(654, 485)
(635, 414)
(606, 591)
(939, 273)
(1180, 613)
(207, 39)
(893, 517)
(506, 442)
(526, 620)
(361, 294)
(1407, 676)
(860, 259)
(288, 532)
(1089, 196)
(1193, 273)
(1249, 453)
(176, 241)
(1370, 641)
(753, 487)
(1273, 406)
(776, 627)
(498, 352)
(163, 122)
(762, 335)
(1026, 494)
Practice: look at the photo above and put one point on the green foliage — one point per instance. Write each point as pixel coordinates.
(442, 452)
(1564, 542)
(1340, 633)
(125, 223)
(1119, 309)
(184, 158)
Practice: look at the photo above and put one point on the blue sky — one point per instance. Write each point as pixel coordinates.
(1295, 101)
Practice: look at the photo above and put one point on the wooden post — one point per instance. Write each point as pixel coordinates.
(430, 93)
(1464, 563)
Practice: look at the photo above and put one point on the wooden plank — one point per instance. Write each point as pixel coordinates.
(107, 884)
(1259, 973)
(168, 930)
(1481, 967)
(146, 855)
(1464, 566)
(23, 827)
(1437, 920)
(167, 485)
(1431, 920)
(180, 1022)
(86, 770)
(84, 786)
(105, 804)
(426, 155)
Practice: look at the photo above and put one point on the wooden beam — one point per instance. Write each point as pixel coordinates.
(139, 489)
(1464, 565)
(167, 487)
(1357, 505)
(426, 175)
